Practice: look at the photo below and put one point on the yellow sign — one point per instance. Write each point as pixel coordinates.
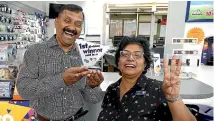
(13, 112)
(196, 32)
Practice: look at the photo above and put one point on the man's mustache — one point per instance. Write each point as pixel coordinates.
(74, 31)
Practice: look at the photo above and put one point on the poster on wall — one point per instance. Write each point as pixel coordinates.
(203, 31)
(208, 51)
(16, 111)
(157, 64)
(199, 11)
(196, 32)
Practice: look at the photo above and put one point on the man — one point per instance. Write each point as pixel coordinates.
(52, 77)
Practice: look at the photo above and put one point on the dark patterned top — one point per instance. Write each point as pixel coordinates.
(140, 103)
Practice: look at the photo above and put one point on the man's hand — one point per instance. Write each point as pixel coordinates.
(74, 74)
(171, 81)
(95, 78)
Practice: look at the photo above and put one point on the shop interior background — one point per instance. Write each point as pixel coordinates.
(106, 24)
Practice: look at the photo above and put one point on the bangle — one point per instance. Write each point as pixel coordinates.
(171, 100)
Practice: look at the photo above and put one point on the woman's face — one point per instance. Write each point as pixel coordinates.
(131, 61)
(205, 47)
(213, 46)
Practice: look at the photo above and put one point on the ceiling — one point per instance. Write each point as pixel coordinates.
(114, 5)
(40, 5)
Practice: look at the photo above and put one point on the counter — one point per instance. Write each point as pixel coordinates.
(190, 89)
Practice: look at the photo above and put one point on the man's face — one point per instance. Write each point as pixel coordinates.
(68, 27)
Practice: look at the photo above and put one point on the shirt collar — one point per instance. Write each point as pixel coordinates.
(52, 42)
(141, 82)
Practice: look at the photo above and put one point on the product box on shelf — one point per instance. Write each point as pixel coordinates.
(6, 89)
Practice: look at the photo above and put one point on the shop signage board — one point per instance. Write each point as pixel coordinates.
(199, 11)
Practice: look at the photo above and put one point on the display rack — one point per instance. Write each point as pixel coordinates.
(20, 27)
(18, 30)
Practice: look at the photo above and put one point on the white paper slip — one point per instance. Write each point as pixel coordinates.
(184, 40)
(185, 52)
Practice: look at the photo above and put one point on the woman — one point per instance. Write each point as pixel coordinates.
(134, 97)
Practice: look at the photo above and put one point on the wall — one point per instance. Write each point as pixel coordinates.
(175, 20)
(175, 26)
(40, 5)
(93, 16)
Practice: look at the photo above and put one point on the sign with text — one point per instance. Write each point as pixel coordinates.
(199, 11)
(184, 40)
(90, 52)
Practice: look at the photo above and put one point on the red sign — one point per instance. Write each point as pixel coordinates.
(163, 22)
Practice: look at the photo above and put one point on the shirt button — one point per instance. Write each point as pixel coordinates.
(66, 53)
(65, 98)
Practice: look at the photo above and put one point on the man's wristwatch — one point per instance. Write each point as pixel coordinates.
(171, 100)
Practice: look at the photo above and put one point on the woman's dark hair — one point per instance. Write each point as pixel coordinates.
(139, 40)
(206, 40)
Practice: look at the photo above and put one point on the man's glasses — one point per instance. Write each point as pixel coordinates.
(127, 54)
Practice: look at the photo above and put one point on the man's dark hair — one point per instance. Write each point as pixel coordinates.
(139, 40)
(70, 7)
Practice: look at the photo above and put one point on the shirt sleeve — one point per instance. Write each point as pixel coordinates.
(93, 95)
(29, 84)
